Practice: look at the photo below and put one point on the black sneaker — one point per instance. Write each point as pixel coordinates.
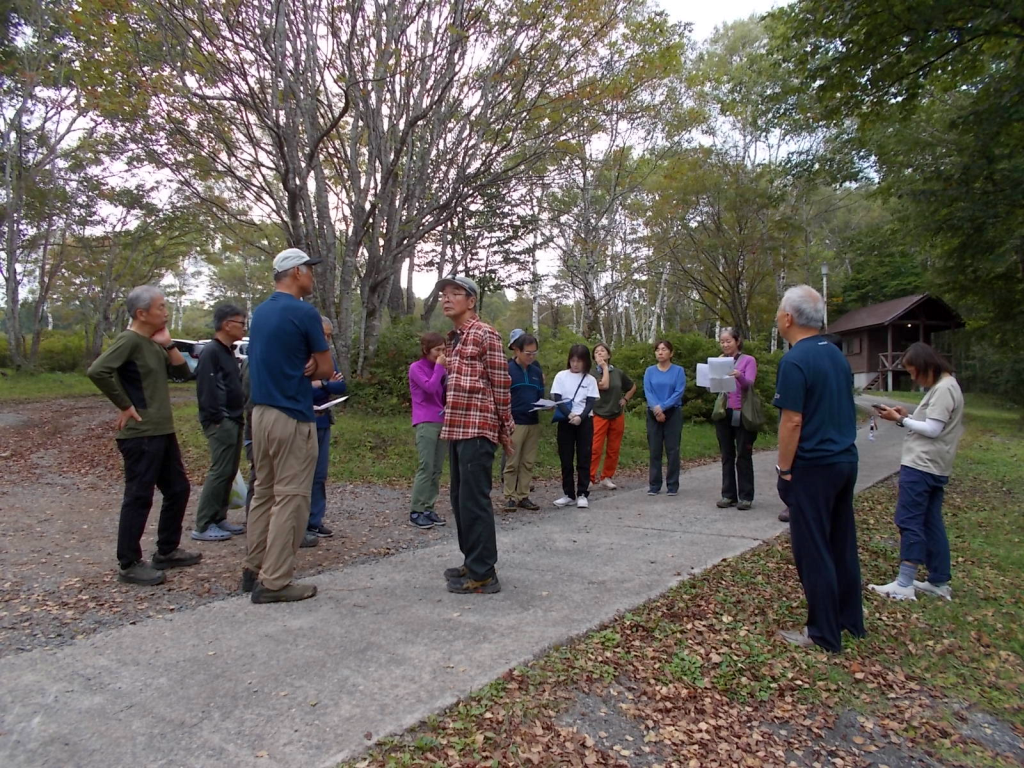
(454, 573)
(435, 518)
(248, 580)
(179, 558)
(321, 531)
(420, 520)
(510, 504)
(468, 586)
(142, 574)
(529, 504)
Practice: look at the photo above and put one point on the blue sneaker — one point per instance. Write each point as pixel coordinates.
(420, 520)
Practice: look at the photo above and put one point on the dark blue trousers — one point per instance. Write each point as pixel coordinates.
(919, 517)
(824, 539)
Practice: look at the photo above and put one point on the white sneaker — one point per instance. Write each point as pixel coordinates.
(607, 483)
(565, 501)
(582, 503)
(894, 590)
(945, 591)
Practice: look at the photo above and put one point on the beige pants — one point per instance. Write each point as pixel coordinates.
(284, 451)
(519, 467)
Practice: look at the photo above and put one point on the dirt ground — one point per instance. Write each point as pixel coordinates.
(60, 492)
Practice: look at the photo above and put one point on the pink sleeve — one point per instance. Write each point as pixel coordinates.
(747, 368)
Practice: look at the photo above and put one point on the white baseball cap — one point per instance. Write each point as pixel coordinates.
(292, 257)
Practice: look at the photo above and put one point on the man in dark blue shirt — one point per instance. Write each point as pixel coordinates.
(818, 470)
(286, 349)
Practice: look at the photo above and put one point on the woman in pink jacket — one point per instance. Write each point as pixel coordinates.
(735, 441)
(426, 386)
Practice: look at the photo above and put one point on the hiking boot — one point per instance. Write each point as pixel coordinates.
(564, 501)
(608, 484)
(510, 504)
(455, 573)
(288, 594)
(467, 586)
(321, 531)
(179, 558)
(939, 590)
(248, 579)
(529, 504)
(784, 515)
(213, 532)
(582, 503)
(744, 505)
(309, 539)
(420, 520)
(141, 573)
(435, 518)
(725, 503)
(231, 528)
(894, 590)
(797, 637)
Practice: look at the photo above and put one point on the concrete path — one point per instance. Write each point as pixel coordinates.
(382, 646)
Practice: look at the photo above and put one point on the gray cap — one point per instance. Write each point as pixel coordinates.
(516, 333)
(292, 257)
(459, 281)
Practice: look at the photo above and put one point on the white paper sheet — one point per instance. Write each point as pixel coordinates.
(329, 403)
(720, 367)
(545, 405)
(703, 377)
(725, 384)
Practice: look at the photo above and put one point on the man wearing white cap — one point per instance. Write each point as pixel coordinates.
(286, 349)
(477, 418)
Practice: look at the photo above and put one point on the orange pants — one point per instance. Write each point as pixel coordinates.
(612, 429)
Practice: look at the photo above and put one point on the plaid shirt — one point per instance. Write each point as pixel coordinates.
(477, 402)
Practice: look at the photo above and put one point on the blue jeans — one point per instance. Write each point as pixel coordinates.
(318, 499)
(919, 517)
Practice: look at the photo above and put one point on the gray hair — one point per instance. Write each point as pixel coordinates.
(805, 305)
(141, 297)
(327, 323)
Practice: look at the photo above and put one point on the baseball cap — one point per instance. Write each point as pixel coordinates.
(516, 333)
(459, 281)
(292, 257)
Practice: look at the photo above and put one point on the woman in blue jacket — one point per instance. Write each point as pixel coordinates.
(324, 390)
(663, 387)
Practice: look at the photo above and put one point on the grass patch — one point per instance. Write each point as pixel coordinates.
(699, 673)
(20, 386)
(373, 448)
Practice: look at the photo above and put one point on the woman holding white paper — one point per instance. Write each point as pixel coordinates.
(664, 384)
(734, 440)
(575, 391)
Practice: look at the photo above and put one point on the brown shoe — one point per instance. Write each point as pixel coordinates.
(797, 637)
(784, 515)
(454, 573)
(288, 594)
(468, 586)
(248, 579)
(179, 558)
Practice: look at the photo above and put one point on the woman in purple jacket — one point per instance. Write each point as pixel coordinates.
(426, 385)
(735, 441)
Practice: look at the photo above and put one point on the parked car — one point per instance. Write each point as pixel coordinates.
(241, 349)
(190, 351)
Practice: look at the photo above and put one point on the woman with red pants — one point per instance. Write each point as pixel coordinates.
(616, 390)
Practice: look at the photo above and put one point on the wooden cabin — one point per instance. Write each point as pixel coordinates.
(874, 338)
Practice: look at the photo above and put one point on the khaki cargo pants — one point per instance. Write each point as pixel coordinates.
(285, 452)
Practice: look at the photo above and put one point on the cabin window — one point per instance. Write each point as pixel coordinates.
(851, 345)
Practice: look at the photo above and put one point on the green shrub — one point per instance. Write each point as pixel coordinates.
(61, 351)
(5, 356)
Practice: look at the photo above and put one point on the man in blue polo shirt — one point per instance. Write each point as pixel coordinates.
(817, 471)
(286, 349)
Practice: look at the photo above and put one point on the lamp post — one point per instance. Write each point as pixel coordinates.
(824, 290)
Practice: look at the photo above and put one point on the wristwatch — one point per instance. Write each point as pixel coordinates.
(169, 347)
(780, 471)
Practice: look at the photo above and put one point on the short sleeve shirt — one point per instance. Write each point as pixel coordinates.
(578, 386)
(945, 402)
(815, 380)
(283, 333)
(607, 406)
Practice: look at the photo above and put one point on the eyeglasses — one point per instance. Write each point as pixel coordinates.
(529, 354)
(443, 296)
(237, 322)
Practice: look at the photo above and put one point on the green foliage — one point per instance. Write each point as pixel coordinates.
(59, 351)
(19, 386)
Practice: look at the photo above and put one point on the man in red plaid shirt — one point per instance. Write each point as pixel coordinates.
(477, 417)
